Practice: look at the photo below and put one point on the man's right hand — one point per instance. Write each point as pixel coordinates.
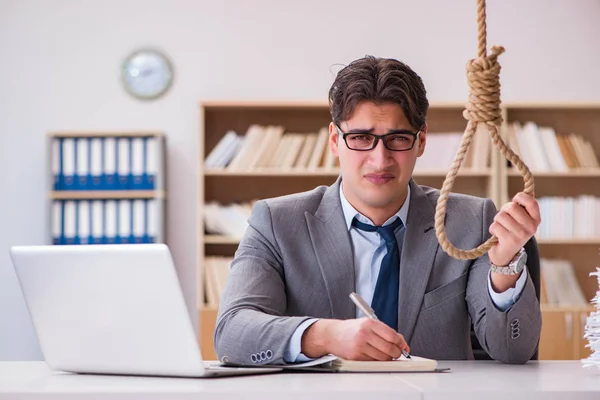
(361, 339)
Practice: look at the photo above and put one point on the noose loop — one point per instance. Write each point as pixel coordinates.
(482, 112)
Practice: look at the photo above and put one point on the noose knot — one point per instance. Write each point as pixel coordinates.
(483, 75)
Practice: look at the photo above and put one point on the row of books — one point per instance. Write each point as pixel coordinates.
(542, 149)
(271, 147)
(562, 217)
(227, 220)
(216, 271)
(569, 217)
(441, 149)
(559, 285)
(104, 221)
(105, 163)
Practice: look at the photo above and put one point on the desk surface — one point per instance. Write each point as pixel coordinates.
(465, 380)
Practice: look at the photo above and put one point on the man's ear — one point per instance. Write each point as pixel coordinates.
(422, 141)
(333, 139)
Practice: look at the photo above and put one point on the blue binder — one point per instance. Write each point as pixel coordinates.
(104, 236)
(131, 238)
(146, 238)
(69, 162)
(63, 239)
(110, 165)
(149, 176)
(58, 177)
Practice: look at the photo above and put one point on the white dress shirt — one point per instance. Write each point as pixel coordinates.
(368, 252)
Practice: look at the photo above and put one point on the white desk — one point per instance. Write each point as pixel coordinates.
(466, 380)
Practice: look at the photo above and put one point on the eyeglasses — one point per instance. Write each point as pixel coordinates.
(401, 140)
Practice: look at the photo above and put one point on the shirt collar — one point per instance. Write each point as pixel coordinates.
(350, 212)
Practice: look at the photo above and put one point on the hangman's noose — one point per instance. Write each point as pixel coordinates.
(482, 111)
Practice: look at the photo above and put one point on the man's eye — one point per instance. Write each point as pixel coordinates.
(360, 137)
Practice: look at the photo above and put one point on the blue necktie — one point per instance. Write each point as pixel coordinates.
(385, 297)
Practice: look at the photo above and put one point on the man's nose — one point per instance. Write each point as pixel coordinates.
(380, 156)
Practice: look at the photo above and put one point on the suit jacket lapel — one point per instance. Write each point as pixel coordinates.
(331, 242)
(416, 261)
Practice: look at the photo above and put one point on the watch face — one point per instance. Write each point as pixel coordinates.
(147, 74)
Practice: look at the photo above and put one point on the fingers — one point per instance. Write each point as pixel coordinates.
(530, 204)
(513, 227)
(517, 220)
(371, 352)
(499, 231)
(388, 340)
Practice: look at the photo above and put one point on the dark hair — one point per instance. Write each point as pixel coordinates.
(380, 80)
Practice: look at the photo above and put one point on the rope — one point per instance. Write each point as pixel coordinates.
(482, 111)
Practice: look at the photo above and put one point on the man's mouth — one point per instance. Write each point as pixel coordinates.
(379, 178)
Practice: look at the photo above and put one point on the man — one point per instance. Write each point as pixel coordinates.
(286, 299)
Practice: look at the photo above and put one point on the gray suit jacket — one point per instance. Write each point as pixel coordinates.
(295, 262)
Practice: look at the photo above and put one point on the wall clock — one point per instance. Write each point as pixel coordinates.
(147, 74)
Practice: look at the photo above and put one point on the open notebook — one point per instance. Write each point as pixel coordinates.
(331, 363)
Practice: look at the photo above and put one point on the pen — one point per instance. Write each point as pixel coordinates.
(369, 312)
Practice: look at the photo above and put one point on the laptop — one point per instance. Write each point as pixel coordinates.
(112, 309)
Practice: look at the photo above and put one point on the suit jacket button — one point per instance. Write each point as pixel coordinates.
(269, 354)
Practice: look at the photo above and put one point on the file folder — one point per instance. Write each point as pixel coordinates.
(81, 163)
(137, 164)
(151, 162)
(69, 151)
(124, 224)
(151, 223)
(70, 223)
(83, 222)
(111, 220)
(98, 222)
(139, 215)
(110, 166)
(57, 222)
(57, 163)
(123, 163)
(96, 159)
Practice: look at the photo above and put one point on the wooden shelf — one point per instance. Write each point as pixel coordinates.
(595, 241)
(575, 173)
(106, 194)
(294, 104)
(221, 239)
(79, 134)
(330, 173)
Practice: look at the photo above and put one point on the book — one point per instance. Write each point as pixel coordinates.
(331, 363)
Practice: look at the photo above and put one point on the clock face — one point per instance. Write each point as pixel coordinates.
(147, 74)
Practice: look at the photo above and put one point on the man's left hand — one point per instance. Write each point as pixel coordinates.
(514, 225)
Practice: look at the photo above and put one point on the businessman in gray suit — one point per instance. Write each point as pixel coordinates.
(286, 298)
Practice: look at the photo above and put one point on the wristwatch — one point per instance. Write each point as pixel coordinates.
(515, 266)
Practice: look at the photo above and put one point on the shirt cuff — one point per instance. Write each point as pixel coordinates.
(505, 300)
(293, 351)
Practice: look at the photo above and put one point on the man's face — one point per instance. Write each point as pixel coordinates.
(376, 179)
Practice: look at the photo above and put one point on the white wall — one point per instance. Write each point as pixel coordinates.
(60, 59)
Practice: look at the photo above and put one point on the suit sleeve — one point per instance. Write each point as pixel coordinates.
(251, 327)
(510, 336)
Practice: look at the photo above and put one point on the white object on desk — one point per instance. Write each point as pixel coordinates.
(112, 309)
(468, 380)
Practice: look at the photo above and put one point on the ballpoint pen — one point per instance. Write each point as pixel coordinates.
(369, 312)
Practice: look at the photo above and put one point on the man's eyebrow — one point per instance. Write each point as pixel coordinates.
(361, 130)
(371, 130)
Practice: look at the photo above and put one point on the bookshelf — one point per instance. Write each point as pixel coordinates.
(106, 187)
(491, 178)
